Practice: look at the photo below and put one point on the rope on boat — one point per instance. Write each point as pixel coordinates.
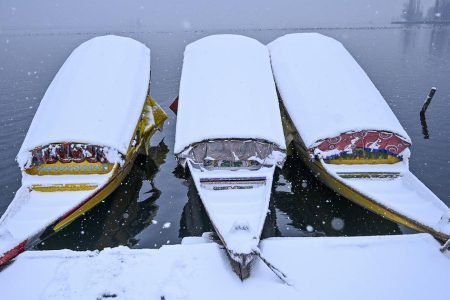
(274, 269)
(446, 246)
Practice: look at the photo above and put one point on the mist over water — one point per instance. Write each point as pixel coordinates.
(179, 15)
(403, 60)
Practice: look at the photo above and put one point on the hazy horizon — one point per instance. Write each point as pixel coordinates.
(178, 15)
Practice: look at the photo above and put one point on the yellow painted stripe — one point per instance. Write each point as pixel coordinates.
(363, 161)
(71, 168)
(63, 187)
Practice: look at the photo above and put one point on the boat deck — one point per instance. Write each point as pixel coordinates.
(34, 211)
(237, 202)
(400, 191)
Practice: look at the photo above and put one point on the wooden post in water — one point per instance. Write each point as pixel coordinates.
(428, 101)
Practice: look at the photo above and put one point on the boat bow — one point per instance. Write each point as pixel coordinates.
(238, 202)
(33, 211)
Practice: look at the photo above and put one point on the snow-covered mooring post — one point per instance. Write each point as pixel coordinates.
(428, 101)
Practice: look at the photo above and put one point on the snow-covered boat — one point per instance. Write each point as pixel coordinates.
(94, 119)
(348, 134)
(229, 135)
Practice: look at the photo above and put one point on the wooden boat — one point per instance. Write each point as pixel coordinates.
(92, 122)
(230, 137)
(347, 133)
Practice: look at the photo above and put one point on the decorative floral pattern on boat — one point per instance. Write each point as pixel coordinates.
(72, 158)
(362, 145)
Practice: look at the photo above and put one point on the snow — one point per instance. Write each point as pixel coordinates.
(337, 224)
(237, 214)
(380, 267)
(227, 91)
(96, 97)
(30, 212)
(405, 194)
(325, 91)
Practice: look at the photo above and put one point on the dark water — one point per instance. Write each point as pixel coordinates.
(157, 205)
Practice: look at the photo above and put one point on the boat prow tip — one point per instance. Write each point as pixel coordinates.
(11, 254)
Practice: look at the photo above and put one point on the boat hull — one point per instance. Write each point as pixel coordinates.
(356, 196)
(82, 204)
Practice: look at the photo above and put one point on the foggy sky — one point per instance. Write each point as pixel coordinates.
(182, 15)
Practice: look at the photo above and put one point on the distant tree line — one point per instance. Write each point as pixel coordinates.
(413, 11)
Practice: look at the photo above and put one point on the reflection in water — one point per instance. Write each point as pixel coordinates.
(439, 41)
(312, 207)
(409, 38)
(194, 219)
(423, 122)
(270, 228)
(121, 216)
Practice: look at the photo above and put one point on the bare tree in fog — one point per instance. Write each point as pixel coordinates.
(412, 11)
(440, 11)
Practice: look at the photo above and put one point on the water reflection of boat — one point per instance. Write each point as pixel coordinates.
(316, 210)
(229, 135)
(354, 142)
(194, 219)
(94, 119)
(123, 215)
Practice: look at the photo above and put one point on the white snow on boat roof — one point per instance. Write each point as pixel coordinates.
(227, 91)
(324, 89)
(96, 97)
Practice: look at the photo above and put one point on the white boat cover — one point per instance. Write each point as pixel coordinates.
(327, 89)
(227, 91)
(96, 97)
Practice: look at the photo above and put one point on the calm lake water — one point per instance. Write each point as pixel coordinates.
(156, 205)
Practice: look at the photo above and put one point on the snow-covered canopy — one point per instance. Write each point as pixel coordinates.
(324, 89)
(227, 91)
(96, 97)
